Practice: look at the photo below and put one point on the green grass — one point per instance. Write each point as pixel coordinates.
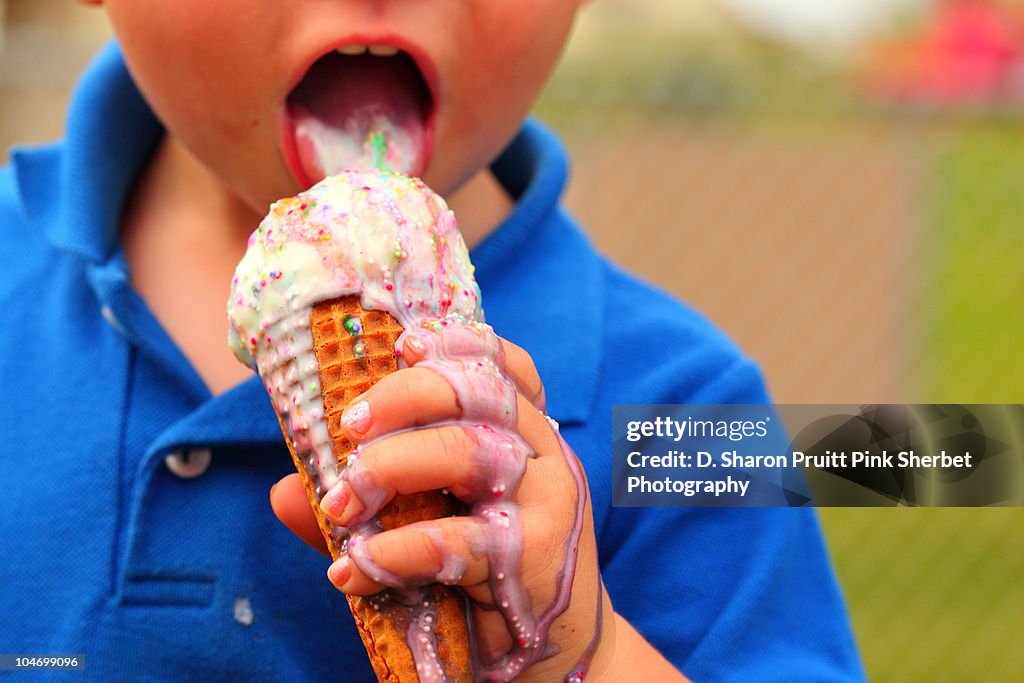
(974, 294)
(934, 594)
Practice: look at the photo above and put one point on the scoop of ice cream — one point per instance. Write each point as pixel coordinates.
(382, 235)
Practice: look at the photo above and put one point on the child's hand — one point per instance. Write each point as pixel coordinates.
(400, 460)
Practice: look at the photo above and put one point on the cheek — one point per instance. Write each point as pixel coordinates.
(209, 74)
(501, 62)
(516, 46)
(187, 59)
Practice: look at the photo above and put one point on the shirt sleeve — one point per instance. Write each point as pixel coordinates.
(731, 594)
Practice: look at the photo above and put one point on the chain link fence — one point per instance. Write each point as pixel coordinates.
(861, 240)
(859, 236)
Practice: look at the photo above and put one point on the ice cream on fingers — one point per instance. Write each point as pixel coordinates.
(335, 282)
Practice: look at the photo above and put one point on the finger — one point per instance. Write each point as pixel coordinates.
(404, 399)
(289, 502)
(520, 369)
(472, 462)
(512, 360)
(493, 640)
(537, 430)
(418, 396)
(451, 551)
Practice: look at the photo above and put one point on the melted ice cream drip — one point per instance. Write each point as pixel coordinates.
(579, 672)
(391, 240)
(383, 145)
(381, 235)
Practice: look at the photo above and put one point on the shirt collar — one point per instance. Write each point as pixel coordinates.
(73, 192)
(540, 277)
(542, 281)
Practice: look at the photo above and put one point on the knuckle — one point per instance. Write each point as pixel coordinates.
(407, 384)
(401, 551)
(449, 537)
(524, 361)
(424, 390)
(416, 384)
(469, 442)
(515, 354)
(539, 567)
(380, 550)
(557, 488)
(455, 442)
(449, 439)
(429, 548)
(369, 458)
(539, 398)
(569, 488)
(371, 465)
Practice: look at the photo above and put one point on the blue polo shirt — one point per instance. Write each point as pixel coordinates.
(134, 522)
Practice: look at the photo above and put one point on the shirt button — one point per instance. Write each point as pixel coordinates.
(189, 464)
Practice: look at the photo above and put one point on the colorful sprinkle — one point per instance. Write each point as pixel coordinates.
(353, 325)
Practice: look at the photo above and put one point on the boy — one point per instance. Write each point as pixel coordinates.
(146, 544)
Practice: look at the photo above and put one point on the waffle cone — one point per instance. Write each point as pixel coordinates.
(344, 374)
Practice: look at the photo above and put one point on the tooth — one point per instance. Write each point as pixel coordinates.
(383, 50)
(352, 49)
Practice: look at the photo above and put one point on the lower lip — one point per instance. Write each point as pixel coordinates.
(302, 176)
(290, 148)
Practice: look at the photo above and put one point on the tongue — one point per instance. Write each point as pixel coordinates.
(360, 113)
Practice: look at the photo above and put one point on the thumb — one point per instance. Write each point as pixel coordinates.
(289, 502)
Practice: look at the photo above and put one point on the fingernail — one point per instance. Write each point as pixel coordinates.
(340, 572)
(356, 418)
(334, 501)
(416, 345)
(340, 506)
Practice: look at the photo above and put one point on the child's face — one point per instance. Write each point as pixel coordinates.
(232, 80)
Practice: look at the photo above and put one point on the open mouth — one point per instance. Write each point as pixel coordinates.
(359, 108)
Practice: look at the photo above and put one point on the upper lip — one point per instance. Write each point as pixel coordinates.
(420, 57)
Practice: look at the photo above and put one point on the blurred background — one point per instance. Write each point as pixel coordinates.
(839, 184)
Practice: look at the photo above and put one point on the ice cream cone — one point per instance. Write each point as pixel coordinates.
(354, 348)
(328, 281)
